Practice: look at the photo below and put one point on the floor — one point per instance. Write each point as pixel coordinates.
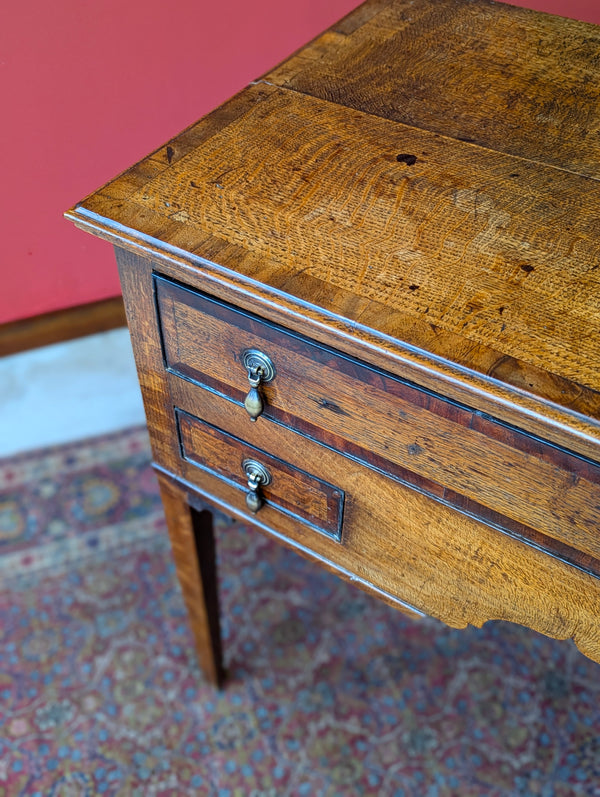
(68, 391)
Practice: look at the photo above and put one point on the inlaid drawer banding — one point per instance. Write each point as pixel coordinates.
(385, 362)
(528, 488)
(263, 478)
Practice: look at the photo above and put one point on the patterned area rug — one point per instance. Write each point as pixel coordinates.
(330, 692)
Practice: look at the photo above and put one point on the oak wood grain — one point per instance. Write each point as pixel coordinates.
(414, 198)
(576, 430)
(190, 530)
(407, 545)
(440, 547)
(193, 546)
(456, 291)
(338, 401)
(506, 78)
(138, 295)
(443, 239)
(291, 490)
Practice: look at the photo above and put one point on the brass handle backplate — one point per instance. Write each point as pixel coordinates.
(260, 371)
(258, 476)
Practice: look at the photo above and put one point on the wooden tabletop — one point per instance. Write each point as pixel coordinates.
(423, 178)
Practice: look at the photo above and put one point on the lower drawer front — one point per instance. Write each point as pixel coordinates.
(394, 539)
(264, 479)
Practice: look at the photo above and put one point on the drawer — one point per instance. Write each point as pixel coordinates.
(520, 484)
(279, 485)
(408, 548)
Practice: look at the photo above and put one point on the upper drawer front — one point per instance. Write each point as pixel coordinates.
(499, 474)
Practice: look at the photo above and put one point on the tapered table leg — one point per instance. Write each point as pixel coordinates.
(193, 543)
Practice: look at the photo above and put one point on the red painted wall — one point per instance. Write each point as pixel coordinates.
(87, 88)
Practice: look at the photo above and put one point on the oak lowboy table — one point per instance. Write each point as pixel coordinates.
(364, 297)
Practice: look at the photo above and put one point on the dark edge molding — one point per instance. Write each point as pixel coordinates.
(503, 398)
(586, 563)
(333, 534)
(62, 325)
(482, 422)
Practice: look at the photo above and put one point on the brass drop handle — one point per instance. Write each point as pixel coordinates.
(260, 371)
(258, 476)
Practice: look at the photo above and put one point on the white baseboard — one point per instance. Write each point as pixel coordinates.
(68, 391)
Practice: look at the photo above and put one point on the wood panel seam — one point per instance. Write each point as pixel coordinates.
(437, 133)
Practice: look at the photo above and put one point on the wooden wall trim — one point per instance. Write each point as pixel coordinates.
(61, 325)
